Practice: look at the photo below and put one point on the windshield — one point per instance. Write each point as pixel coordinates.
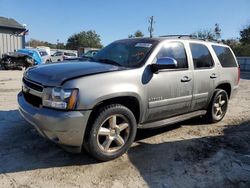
(127, 53)
(43, 53)
(89, 53)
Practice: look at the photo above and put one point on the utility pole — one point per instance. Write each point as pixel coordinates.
(57, 44)
(150, 28)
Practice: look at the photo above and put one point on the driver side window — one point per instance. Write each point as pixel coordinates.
(175, 50)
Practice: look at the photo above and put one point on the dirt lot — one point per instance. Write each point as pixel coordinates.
(189, 154)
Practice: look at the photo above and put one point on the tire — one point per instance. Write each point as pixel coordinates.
(2, 67)
(112, 133)
(218, 106)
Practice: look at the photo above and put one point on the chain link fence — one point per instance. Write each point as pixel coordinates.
(244, 63)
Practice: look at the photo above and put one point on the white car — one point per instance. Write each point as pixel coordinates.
(60, 56)
(45, 56)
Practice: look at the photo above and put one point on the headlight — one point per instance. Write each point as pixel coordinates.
(60, 98)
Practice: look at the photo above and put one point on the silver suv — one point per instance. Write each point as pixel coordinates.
(129, 84)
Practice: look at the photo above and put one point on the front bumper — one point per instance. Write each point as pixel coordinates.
(66, 128)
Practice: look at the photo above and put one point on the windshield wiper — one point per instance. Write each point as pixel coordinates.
(107, 61)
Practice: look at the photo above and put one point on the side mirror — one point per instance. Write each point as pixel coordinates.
(164, 63)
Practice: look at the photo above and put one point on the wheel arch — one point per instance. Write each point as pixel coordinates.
(129, 101)
(225, 86)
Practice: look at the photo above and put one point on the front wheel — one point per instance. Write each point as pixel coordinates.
(218, 106)
(112, 132)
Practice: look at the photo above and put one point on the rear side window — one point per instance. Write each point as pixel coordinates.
(175, 50)
(201, 56)
(69, 54)
(58, 54)
(225, 56)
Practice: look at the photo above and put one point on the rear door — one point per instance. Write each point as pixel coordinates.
(205, 75)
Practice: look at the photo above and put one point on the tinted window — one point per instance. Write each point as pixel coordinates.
(43, 53)
(225, 56)
(69, 54)
(201, 56)
(57, 54)
(175, 50)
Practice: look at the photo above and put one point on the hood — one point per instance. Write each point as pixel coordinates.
(56, 74)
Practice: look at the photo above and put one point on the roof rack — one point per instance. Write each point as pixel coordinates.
(190, 37)
(180, 36)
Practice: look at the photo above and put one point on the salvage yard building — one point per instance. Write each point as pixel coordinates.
(12, 35)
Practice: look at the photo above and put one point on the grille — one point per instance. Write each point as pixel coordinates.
(32, 99)
(33, 85)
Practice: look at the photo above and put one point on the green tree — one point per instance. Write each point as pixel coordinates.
(242, 48)
(245, 35)
(34, 43)
(84, 39)
(138, 33)
(205, 34)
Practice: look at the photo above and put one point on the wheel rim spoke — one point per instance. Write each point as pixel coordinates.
(112, 121)
(104, 131)
(220, 110)
(113, 133)
(106, 144)
(219, 99)
(216, 105)
(217, 111)
(222, 103)
(119, 140)
(123, 126)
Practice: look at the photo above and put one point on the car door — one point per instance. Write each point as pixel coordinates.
(205, 75)
(170, 91)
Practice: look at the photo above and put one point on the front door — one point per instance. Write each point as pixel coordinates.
(170, 91)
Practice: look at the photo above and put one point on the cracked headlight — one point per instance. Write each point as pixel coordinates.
(59, 98)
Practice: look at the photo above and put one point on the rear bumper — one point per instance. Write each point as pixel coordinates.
(66, 128)
(234, 91)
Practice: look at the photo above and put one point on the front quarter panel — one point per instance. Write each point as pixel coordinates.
(99, 87)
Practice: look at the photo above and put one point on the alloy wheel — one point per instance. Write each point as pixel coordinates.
(113, 133)
(220, 106)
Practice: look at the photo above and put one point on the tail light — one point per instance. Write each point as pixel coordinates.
(63, 56)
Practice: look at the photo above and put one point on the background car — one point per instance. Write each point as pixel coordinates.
(88, 55)
(16, 61)
(34, 53)
(45, 56)
(60, 56)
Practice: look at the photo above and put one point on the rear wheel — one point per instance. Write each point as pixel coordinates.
(218, 106)
(112, 132)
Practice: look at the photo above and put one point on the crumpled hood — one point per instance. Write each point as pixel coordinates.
(56, 73)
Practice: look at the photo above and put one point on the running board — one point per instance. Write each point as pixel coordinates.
(172, 120)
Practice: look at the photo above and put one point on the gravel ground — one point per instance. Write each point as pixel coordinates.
(189, 154)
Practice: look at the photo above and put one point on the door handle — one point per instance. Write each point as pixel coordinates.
(213, 76)
(186, 79)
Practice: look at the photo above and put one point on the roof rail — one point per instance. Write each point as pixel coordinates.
(180, 36)
(190, 37)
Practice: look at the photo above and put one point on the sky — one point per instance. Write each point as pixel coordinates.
(50, 20)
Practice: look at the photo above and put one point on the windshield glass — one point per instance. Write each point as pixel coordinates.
(127, 53)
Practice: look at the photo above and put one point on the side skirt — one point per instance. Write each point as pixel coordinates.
(172, 120)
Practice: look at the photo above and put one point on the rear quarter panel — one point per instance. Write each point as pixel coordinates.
(226, 74)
